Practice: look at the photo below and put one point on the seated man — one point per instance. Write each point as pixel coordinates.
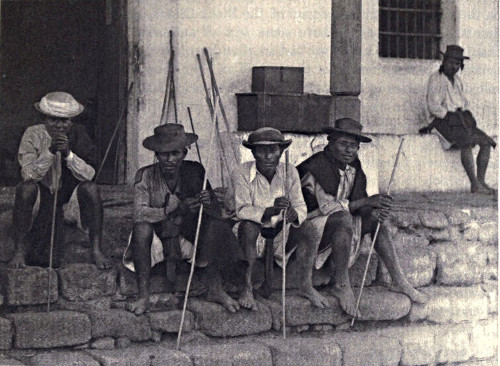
(167, 198)
(33, 205)
(340, 213)
(260, 198)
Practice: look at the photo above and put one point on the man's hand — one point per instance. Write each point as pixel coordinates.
(60, 142)
(191, 203)
(220, 193)
(291, 215)
(380, 214)
(204, 197)
(279, 204)
(382, 201)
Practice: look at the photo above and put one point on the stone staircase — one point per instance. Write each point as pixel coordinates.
(447, 244)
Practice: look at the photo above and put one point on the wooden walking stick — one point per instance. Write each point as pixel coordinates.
(198, 226)
(284, 263)
(376, 232)
(168, 86)
(114, 132)
(192, 128)
(53, 226)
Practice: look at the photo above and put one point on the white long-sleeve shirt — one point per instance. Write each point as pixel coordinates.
(443, 96)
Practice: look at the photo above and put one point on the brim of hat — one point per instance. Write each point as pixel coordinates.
(60, 115)
(462, 58)
(154, 143)
(360, 137)
(249, 145)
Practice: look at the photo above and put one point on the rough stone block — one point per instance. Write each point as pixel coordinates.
(6, 333)
(6, 361)
(453, 343)
(358, 269)
(418, 265)
(458, 216)
(169, 321)
(63, 359)
(103, 303)
(213, 319)
(438, 234)
(103, 343)
(490, 362)
(484, 340)
(119, 323)
(417, 343)
(303, 351)
(490, 288)
(364, 348)
(7, 244)
(244, 354)
(406, 241)
(47, 330)
(451, 305)
(86, 282)
(405, 219)
(377, 303)
(461, 264)
(300, 311)
(433, 219)
(472, 231)
(489, 233)
(485, 214)
(28, 286)
(145, 356)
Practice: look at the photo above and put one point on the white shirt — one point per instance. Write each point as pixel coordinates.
(443, 96)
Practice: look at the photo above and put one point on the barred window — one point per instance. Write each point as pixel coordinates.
(409, 28)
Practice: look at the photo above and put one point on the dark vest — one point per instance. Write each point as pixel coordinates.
(326, 172)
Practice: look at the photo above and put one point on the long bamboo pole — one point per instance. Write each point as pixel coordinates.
(53, 225)
(376, 232)
(284, 263)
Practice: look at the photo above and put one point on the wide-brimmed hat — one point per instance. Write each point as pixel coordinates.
(59, 104)
(266, 136)
(169, 137)
(454, 51)
(349, 127)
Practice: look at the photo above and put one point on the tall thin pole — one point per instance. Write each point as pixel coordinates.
(53, 225)
(192, 129)
(283, 280)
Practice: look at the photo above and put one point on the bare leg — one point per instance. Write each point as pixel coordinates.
(385, 248)
(468, 164)
(483, 157)
(247, 236)
(216, 293)
(90, 203)
(26, 193)
(306, 255)
(338, 230)
(142, 237)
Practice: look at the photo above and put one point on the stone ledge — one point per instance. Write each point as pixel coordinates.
(169, 321)
(230, 354)
(86, 282)
(63, 359)
(28, 286)
(119, 324)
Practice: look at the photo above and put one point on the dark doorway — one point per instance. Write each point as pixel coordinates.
(77, 46)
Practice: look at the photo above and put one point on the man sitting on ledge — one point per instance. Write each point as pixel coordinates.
(167, 198)
(340, 213)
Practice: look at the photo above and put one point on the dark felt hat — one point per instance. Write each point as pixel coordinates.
(349, 127)
(266, 136)
(169, 137)
(454, 51)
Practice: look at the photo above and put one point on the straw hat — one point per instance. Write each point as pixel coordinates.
(454, 51)
(350, 127)
(266, 136)
(59, 104)
(169, 137)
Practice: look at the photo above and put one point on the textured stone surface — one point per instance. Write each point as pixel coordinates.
(405, 219)
(358, 269)
(460, 264)
(438, 234)
(144, 356)
(433, 219)
(303, 351)
(47, 330)
(418, 265)
(364, 348)
(63, 359)
(453, 343)
(300, 311)
(169, 321)
(7, 244)
(119, 323)
(103, 343)
(27, 286)
(489, 233)
(103, 303)
(245, 354)
(472, 231)
(408, 242)
(86, 282)
(377, 303)
(458, 216)
(451, 305)
(6, 333)
(490, 288)
(484, 339)
(6, 361)
(215, 320)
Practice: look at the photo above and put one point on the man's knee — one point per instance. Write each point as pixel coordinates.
(142, 234)
(248, 230)
(89, 190)
(26, 192)
(340, 223)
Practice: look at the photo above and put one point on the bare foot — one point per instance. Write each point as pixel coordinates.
(17, 261)
(246, 299)
(101, 261)
(346, 298)
(480, 188)
(139, 306)
(412, 293)
(314, 297)
(221, 297)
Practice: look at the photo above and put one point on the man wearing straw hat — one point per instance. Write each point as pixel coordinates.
(167, 198)
(448, 112)
(340, 213)
(78, 197)
(260, 198)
